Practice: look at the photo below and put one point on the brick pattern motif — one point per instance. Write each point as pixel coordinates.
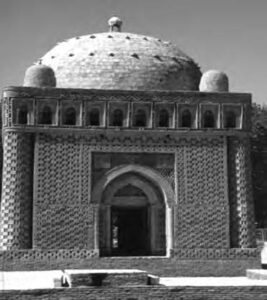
(204, 262)
(162, 163)
(206, 254)
(65, 220)
(240, 192)
(46, 255)
(16, 206)
(200, 165)
(62, 215)
(202, 211)
(202, 226)
(73, 254)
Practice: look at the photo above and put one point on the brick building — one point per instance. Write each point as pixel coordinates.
(118, 152)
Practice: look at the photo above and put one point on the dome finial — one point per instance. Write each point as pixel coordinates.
(115, 24)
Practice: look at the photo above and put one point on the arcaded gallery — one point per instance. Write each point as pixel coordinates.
(119, 153)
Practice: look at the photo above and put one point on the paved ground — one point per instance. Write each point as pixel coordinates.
(51, 279)
(211, 281)
(29, 280)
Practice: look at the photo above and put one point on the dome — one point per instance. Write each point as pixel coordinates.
(39, 75)
(123, 61)
(214, 81)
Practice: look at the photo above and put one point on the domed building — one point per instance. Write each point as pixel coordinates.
(118, 153)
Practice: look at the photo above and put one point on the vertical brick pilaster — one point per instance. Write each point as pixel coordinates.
(242, 222)
(16, 206)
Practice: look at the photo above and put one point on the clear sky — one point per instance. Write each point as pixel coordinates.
(228, 35)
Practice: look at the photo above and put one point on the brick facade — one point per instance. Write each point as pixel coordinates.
(201, 175)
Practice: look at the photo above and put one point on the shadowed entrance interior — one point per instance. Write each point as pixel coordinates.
(129, 231)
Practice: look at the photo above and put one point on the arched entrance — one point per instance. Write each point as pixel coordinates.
(134, 212)
(132, 218)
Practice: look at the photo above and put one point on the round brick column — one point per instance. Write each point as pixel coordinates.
(242, 221)
(17, 192)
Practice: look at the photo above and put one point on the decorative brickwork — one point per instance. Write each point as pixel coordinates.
(84, 99)
(62, 216)
(202, 210)
(183, 262)
(201, 185)
(16, 206)
(193, 169)
(240, 192)
(163, 163)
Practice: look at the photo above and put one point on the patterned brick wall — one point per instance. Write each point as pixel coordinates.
(63, 218)
(201, 219)
(183, 262)
(16, 206)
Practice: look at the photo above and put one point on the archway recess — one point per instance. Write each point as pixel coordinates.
(133, 199)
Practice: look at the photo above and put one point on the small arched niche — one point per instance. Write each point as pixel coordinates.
(209, 115)
(232, 116)
(70, 116)
(140, 118)
(186, 118)
(71, 113)
(93, 117)
(117, 118)
(22, 111)
(46, 116)
(22, 115)
(118, 114)
(95, 113)
(163, 118)
(230, 119)
(208, 119)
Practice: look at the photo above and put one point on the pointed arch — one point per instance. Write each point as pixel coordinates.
(159, 201)
(152, 175)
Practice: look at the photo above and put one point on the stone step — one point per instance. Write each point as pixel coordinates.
(104, 277)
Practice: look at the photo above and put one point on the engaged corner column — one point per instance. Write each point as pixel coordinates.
(17, 192)
(242, 223)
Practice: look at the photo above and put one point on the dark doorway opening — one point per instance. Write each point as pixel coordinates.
(129, 231)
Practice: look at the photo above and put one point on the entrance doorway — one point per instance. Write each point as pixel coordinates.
(132, 218)
(129, 231)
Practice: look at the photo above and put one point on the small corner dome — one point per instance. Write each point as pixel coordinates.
(39, 75)
(116, 60)
(214, 81)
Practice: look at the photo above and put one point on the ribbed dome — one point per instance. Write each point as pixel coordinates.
(119, 60)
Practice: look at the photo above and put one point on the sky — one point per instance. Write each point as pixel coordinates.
(226, 35)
